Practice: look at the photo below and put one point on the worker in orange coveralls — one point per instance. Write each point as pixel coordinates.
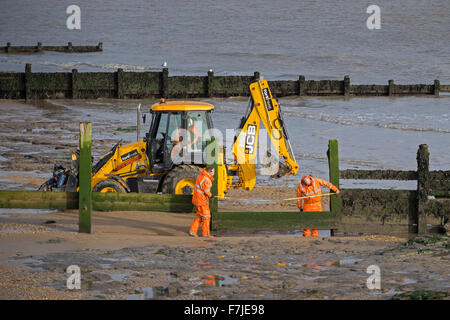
(178, 138)
(200, 199)
(310, 187)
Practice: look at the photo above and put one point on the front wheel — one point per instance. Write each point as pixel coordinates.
(109, 185)
(44, 187)
(181, 180)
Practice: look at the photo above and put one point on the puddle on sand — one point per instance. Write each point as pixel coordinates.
(13, 230)
(118, 276)
(349, 260)
(408, 281)
(258, 201)
(30, 261)
(148, 293)
(4, 211)
(218, 281)
(299, 233)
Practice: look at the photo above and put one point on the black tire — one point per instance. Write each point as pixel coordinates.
(109, 184)
(183, 172)
(44, 187)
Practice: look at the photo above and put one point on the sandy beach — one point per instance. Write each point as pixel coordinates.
(148, 255)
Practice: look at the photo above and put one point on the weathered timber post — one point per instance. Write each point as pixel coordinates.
(27, 81)
(39, 47)
(333, 164)
(301, 85)
(209, 86)
(211, 161)
(74, 84)
(69, 47)
(164, 85)
(119, 83)
(85, 171)
(391, 89)
(346, 86)
(436, 88)
(423, 186)
(8, 47)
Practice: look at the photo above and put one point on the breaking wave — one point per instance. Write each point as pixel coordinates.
(326, 118)
(348, 161)
(361, 122)
(405, 127)
(72, 64)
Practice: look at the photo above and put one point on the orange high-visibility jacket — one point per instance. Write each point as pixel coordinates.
(315, 203)
(177, 135)
(202, 190)
(194, 131)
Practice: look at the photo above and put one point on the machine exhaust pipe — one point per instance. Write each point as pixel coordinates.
(138, 122)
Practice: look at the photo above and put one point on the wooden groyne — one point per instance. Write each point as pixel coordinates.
(374, 211)
(423, 210)
(136, 85)
(39, 48)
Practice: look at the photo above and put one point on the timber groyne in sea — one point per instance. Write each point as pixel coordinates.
(39, 48)
(134, 85)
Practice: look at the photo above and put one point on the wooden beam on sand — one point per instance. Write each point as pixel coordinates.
(85, 175)
(100, 201)
(273, 220)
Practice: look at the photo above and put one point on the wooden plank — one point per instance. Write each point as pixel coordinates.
(38, 200)
(440, 183)
(100, 201)
(273, 220)
(85, 174)
(378, 174)
(141, 202)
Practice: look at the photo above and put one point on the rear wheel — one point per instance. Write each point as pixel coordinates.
(181, 180)
(46, 186)
(109, 185)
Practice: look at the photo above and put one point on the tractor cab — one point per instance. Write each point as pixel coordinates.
(178, 134)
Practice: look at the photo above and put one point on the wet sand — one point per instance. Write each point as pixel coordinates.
(33, 137)
(148, 255)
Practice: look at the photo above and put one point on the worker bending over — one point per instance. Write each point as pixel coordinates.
(310, 187)
(200, 199)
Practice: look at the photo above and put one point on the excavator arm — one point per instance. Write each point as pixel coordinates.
(262, 108)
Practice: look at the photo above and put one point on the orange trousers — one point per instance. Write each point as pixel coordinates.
(203, 218)
(310, 232)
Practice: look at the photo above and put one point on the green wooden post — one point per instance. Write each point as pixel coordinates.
(27, 82)
(333, 164)
(209, 88)
(164, 85)
(301, 85)
(346, 85)
(119, 84)
(74, 84)
(423, 186)
(85, 171)
(211, 161)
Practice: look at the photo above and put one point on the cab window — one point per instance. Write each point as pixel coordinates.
(197, 127)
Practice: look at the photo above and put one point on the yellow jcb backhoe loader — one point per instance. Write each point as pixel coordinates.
(172, 154)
